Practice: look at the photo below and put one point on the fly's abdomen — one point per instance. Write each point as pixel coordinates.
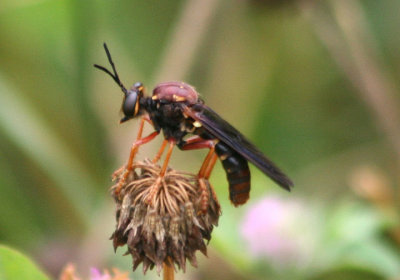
(237, 173)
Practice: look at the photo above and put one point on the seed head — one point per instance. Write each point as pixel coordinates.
(163, 219)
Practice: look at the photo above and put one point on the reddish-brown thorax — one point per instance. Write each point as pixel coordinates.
(176, 92)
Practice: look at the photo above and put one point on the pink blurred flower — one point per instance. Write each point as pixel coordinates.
(283, 231)
(95, 274)
(69, 273)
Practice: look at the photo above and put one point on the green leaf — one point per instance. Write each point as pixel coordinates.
(14, 265)
(354, 239)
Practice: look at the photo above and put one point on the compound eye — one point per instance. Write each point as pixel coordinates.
(129, 105)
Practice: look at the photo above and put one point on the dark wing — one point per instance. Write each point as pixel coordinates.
(221, 129)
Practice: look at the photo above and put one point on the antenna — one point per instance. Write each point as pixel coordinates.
(115, 75)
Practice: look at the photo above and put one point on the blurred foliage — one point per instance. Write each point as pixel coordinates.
(13, 265)
(312, 83)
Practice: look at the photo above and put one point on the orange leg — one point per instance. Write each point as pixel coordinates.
(138, 137)
(206, 162)
(205, 169)
(138, 142)
(160, 151)
(205, 186)
(167, 157)
(140, 132)
(207, 174)
(129, 165)
(204, 194)
(210, 166)
(192, 140)
(197, 142)
(136, 145)
(156, 186)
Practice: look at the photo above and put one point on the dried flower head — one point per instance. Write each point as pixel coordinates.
(163, 219)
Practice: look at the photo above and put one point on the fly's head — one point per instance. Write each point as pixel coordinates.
(131, 102)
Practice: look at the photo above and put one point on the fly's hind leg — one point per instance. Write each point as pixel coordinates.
(206, 190)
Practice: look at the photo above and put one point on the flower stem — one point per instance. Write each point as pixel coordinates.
(168, 273)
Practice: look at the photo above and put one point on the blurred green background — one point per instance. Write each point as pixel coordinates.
(314, 84)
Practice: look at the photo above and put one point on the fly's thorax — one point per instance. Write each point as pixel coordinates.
(175, 92)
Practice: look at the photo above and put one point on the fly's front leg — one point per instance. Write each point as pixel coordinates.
(129, 166)
(132, 153)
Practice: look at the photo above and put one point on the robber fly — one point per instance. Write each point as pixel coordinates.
(176, 109)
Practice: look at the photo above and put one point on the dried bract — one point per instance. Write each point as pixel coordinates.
(163, 219)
